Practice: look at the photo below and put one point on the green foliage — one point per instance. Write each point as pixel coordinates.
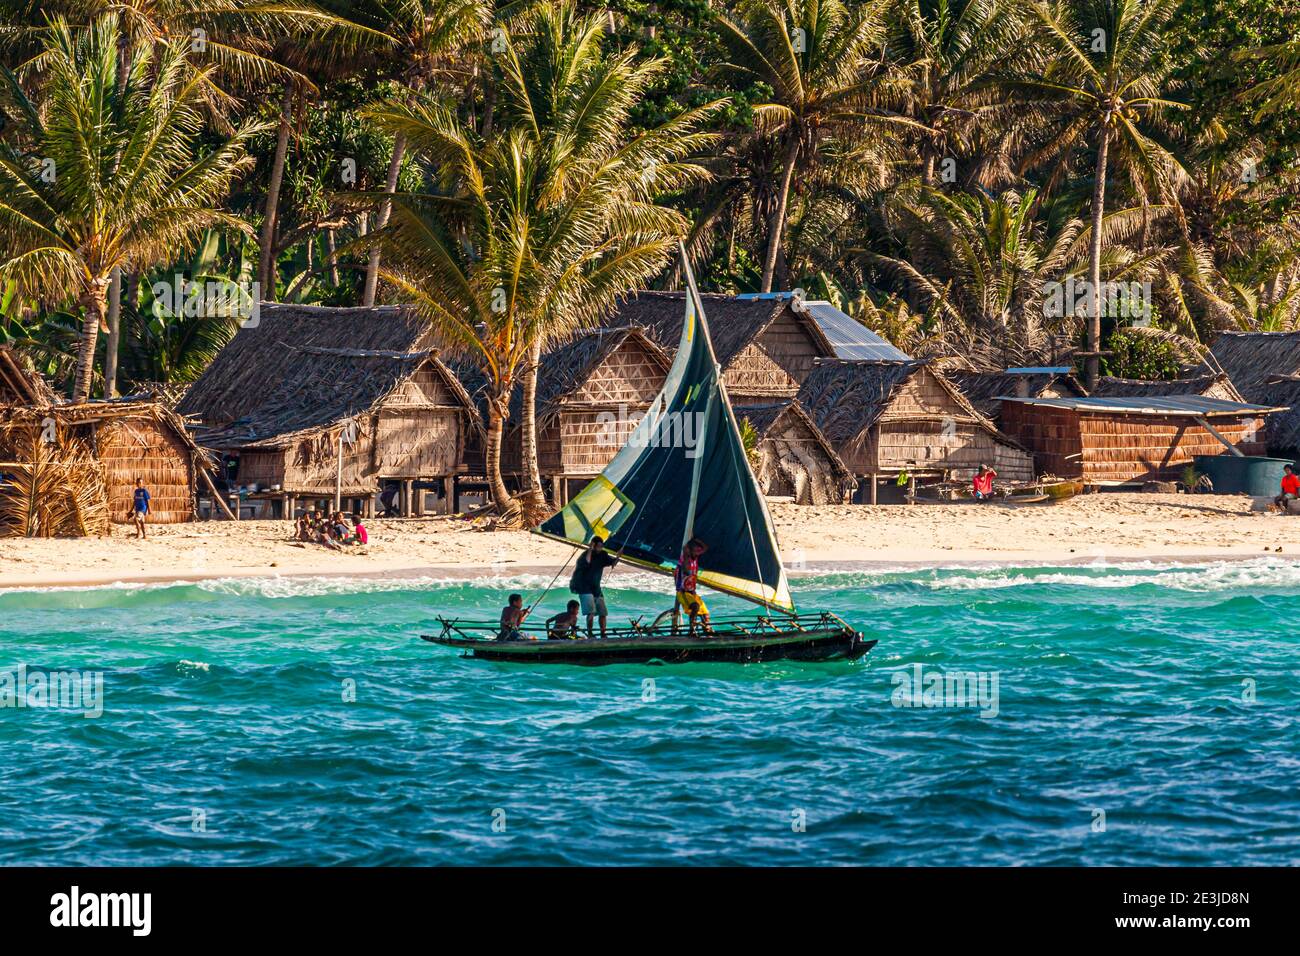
(1140, 356)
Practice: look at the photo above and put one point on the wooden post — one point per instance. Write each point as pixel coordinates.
(406, 498)
(455, 494)
(419, 500)
(449, 494)
(286, 507)
(875, 487)
(216, 496)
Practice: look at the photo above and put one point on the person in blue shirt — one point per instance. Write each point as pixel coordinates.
(140, 506)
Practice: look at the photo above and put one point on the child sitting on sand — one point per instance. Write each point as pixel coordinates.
(564, 626)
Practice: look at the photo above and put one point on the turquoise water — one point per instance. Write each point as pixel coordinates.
(225, 736)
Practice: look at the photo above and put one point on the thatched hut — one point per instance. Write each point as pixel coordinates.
(889, 418)
(1265, 368)
(1111, 441)
(126, 439)
(984, 390)
(793, 457)
(765, 346)
(591, 393)
(280, 397)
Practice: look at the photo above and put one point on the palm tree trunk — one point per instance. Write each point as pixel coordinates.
(330, 260)
(492, 454)
(536, 498)
(114, 334)
(1093, 363)
(778, 216)
(95, 303)
(266, 252)
(385, 208)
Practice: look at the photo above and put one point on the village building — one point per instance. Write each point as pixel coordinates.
(1265, 369)
(313, 399)
(1207, 386)
(792, 458)
(891, 419)
(765, 346)
(1120, 440)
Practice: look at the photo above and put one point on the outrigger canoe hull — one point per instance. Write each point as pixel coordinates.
(819, 643)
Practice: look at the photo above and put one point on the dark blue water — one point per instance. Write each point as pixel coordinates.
(1143, 716)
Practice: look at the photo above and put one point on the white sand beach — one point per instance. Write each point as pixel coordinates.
(1105, 527)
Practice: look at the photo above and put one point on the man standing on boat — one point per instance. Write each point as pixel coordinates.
(586, 581)
(688, 568)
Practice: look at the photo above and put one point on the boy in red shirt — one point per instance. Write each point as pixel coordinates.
(982, 483)
(1290, 490)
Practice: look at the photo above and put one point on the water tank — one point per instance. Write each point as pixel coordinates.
(1248, 475)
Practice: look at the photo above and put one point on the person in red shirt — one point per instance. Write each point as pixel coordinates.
(982, 483)
(1290, 490)
(688, 568)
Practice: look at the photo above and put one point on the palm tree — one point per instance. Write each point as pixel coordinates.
(818, 58)
(574, 102)
(982, 264)
(528, 235)
(429, 40)
(111, 175)
(1108, 80)
(949, 53)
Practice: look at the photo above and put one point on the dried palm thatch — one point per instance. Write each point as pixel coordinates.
(54, 485)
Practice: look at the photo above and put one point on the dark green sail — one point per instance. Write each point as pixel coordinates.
(683, 473)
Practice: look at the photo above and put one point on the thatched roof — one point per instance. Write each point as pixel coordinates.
(303, 368)
(734, 323)
(765, 417)
(985, 389)
(20, 384)
(99, 411)
(1212, 386)
(846, 399)
(564, 369)
(1282, 429)
(1251, 359)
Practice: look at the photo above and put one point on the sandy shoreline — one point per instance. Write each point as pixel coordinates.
(1104, 527)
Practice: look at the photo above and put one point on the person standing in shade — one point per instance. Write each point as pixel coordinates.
(586, 581)
(140, 507)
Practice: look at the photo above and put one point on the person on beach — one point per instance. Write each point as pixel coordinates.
(512, 618)
(982, 483)
(564, 626)
(688, 569)
(139, 507)
(1290, 490)
(586, 581)
(359, 535)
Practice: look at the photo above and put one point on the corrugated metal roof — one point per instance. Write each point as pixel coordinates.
(850, 338)
(1192, 406)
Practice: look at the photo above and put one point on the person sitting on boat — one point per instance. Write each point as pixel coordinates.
(688, 569)
(512, 619)
(982, 483)
(564, 626)
(586, 581)
(1290, 490)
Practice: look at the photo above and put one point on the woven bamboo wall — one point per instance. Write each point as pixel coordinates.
(143, 447)
(774, 365)
(595, 419)
(1142, 447)
(1116, 447)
